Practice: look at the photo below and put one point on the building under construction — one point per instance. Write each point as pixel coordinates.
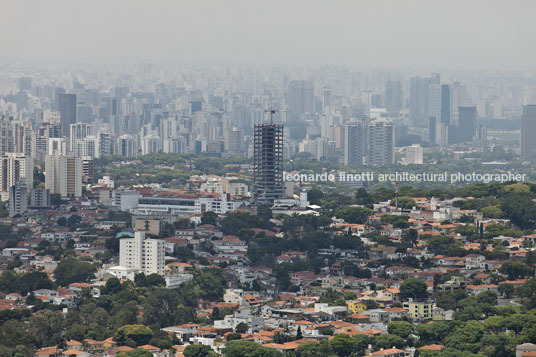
(268, 163)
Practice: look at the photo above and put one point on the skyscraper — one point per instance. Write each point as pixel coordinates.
(300, 97)
(381, 139)
(355, 143)
(326, 99)
(63, 175)
(18, 199)
(528, 133)
(418, 99)
(268, 163)
(445, 105)
(14, 168)
(466, 129)
(67, 107)
(393, 97)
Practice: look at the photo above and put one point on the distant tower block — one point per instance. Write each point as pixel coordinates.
(268, 163)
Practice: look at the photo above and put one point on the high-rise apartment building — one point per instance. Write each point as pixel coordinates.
(381, 140)
(14, 168)
(63, 175)
(413, 155)
(126, 146)
(18, 199)
(67, 107)
(418, 99)
(78, 131)
(465, 131)
(393, 97)
(300, 97)
(142, 254)
(528, 133)
(355, 143)
(268, 163)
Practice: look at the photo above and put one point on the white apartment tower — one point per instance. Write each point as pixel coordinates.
(63, 175)
(13, 169)
(142, 254)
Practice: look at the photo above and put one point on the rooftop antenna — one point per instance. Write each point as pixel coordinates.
(272, 112)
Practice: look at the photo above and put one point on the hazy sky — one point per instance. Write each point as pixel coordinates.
(457, 34)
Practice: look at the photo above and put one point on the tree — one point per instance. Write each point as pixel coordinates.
(74, 271)
(46, 327)
(73, 220)
(387, 341)
(492, 212)
(405, 202)
(299, 335)
(233, 336)
(411, 236)
(209, 217)
(342, 345)
(248, 349)
(113, 286)
(506, 290)
(515, 269)
(358, 215)
(133, 335)
(400, 328)
(199, 351)
(434, 332)
(242, 327)
(62, 221)
(520, 209)
(413, 288)
(135, 353)
(314, 349)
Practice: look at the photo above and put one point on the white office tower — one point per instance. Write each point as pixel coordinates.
(63, 175)
(355, 139)
(78, 131)
(57, 146)
(13, 169)
(381, 139)
(142, 254)
(413, 155)
(18, 199)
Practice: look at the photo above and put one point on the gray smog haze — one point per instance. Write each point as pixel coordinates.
(466, 34)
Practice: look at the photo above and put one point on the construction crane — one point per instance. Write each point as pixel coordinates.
(272, 112)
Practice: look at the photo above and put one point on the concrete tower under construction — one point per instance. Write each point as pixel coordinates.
(268, 163)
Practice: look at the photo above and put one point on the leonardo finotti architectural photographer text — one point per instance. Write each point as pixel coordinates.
(370, 176)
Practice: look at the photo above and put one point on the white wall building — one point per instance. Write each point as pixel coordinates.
(63, 175)
(14, 168)
(142, 254)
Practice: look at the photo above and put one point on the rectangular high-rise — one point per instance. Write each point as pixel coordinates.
(67, 107)
(142, 254)
(14, 168)
(466, 124)
(300, 97)
(528, 133)
(18, 199)
(63, 175)
(268, 163)
(381, 140)
(355, 143)
(393, 97)
(419, 99)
